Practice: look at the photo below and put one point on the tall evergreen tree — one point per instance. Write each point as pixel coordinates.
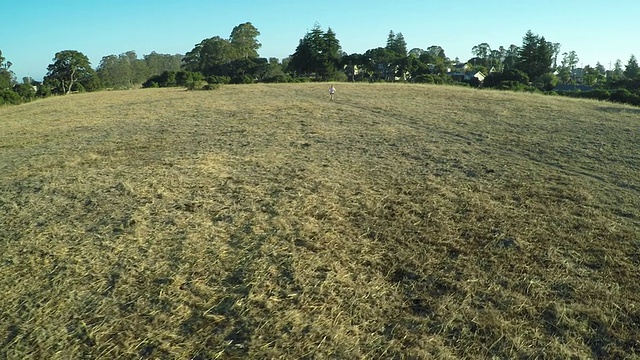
(397, 44)
(331, 53)
(535, 57)
(631, 70)
(317, 53)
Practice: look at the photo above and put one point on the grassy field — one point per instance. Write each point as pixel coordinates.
(263, 221)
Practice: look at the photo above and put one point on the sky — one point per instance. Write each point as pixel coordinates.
(32, 31)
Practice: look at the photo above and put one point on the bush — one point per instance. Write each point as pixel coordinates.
(547, 82)
(10, 97)
(215, 79)
(44, 91)
(279, 78)
(626, 97)
(244, 79)
(338, 76)
(598, 94)
(496, 80)
(25, 91)
(424, 79)
(211, 87)
(166, 79)
(303, 79)
(79, 88)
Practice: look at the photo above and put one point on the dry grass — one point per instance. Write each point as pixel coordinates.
(263, 221)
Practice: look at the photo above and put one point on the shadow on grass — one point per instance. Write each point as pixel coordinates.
(619, 110)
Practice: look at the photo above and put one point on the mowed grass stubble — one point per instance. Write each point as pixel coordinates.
(264, 221)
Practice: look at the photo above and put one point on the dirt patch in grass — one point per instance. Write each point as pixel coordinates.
(264, 221)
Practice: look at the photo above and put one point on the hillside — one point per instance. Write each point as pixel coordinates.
(264, 221)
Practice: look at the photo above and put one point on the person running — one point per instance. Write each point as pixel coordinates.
(332, 91)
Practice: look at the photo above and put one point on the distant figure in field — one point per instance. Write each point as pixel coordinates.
(332, 91)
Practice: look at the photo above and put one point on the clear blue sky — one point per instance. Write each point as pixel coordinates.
(32, 31)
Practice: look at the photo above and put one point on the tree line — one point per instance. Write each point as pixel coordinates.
(536, 65)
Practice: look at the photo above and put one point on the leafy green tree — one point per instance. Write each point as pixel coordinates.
(417, 52)
(380, 63)
(510, 57)
(481, 50)
(482, 53)
(9, 97)
(535, 56)
(496, 80)
(244, 41)
(25, 91)
(567, 67)
(600, 68)
(436, 59)
(209, 56)
(274, 72)
(592, 75)
(415, 68)
(436, 52)
(113, 72)
(555, 48)
(235, 58)
(159, 63)
(7, 78)
(68, 67)
(617, 73)
(547, 82)
(632, 70)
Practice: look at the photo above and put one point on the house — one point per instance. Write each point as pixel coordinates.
(577, 75)
(467, 76)
(461, 67)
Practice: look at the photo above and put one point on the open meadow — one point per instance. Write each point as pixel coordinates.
(263, 221)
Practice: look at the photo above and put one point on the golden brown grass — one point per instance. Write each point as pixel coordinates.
(263, 221)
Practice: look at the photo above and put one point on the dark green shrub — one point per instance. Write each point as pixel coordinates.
(25, 91)
(215, 79)
(44, 91)
(279, 78)
(10, 97)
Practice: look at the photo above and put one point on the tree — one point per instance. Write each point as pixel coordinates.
(244, 41)
(510, 57)
(617, 73)
(317, 53)
(547, 82)
(482, 52)
(397, 44)
(159, 63)
(436, 51)
(567, 66)
(436, 59)
(535, 56)
(417, 52)
(7, 78)
(69, 66)
(555, 48)
(591, 75)
(209, 56)
(115, 71)
(380, 63)
(631, 70)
